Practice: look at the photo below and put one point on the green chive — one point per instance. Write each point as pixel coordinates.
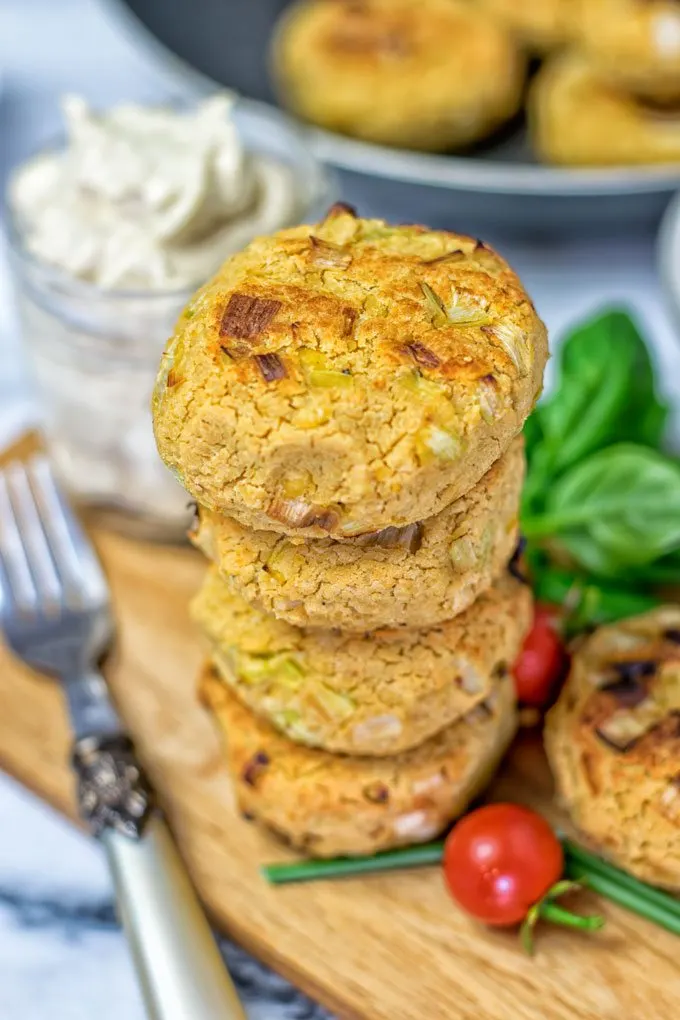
(666, 917)
(580, 865)
(341, 867)
(578, 858)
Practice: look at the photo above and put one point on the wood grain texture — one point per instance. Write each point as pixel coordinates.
(388, 947)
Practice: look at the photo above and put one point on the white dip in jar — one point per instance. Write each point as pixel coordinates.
(110, 235)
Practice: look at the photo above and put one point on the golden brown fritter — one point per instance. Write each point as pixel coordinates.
(613, 741)
(420, 74)
(327, 804)
(341, 378)
(374, 694)
(577, 118)
(633, 44)
(416, 577)
(540, 25)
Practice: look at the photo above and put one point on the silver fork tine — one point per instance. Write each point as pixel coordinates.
(20, 587)
(36, 546)
(76, 560)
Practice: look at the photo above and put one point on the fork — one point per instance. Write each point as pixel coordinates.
(55, 611)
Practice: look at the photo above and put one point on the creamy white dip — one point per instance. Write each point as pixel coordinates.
(147, 198)
(142, 205)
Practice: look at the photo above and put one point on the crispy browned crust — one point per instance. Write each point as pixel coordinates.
(389, 408)
(327, 804)
(613, 741)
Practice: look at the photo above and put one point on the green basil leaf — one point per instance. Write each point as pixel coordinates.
(619, 507)
(665, 571)
(580, 548)
(605, 393)
(633, 540)
(533, 434)
(595, 364)
(645, 415)
(539, 469)
(624, 477)
(589, 603)
(598, 494)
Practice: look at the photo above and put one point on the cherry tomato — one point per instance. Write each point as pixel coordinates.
(499, 861)
(540, 665)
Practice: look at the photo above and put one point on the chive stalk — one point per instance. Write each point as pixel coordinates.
(576, 858)
(342, 867)
(556, 914)
(666, 916)
(581, 866)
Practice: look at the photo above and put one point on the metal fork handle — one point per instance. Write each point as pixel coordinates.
(55, 608)
(181, 972)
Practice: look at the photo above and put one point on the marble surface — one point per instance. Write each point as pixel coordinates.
(62, 956)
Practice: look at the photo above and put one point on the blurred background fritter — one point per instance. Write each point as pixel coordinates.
(419, 74)
(442, 75)
(579, 119)
(539, 25)
(634, 44)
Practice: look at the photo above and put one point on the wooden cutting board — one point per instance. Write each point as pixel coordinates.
(386, 947)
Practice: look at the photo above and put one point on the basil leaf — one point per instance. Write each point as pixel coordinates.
(645, 415)
(580, 548)
(605, 394)
(594, 380)
(665, 571)
(589, 603)
(538, 471)
(533, 434)
(636, 539)
(619, 507)
(599, 495)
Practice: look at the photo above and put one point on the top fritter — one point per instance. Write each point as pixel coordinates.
(346, 377)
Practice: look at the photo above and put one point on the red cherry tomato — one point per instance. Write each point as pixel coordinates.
(540, 665)
(499, 861)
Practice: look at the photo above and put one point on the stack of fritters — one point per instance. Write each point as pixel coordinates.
(344, 402)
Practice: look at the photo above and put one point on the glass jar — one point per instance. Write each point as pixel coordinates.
(95, 354)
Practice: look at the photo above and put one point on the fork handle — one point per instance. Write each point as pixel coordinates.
(180, 969)
(178, 964)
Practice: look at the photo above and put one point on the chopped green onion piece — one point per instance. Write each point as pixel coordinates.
(326, 378)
